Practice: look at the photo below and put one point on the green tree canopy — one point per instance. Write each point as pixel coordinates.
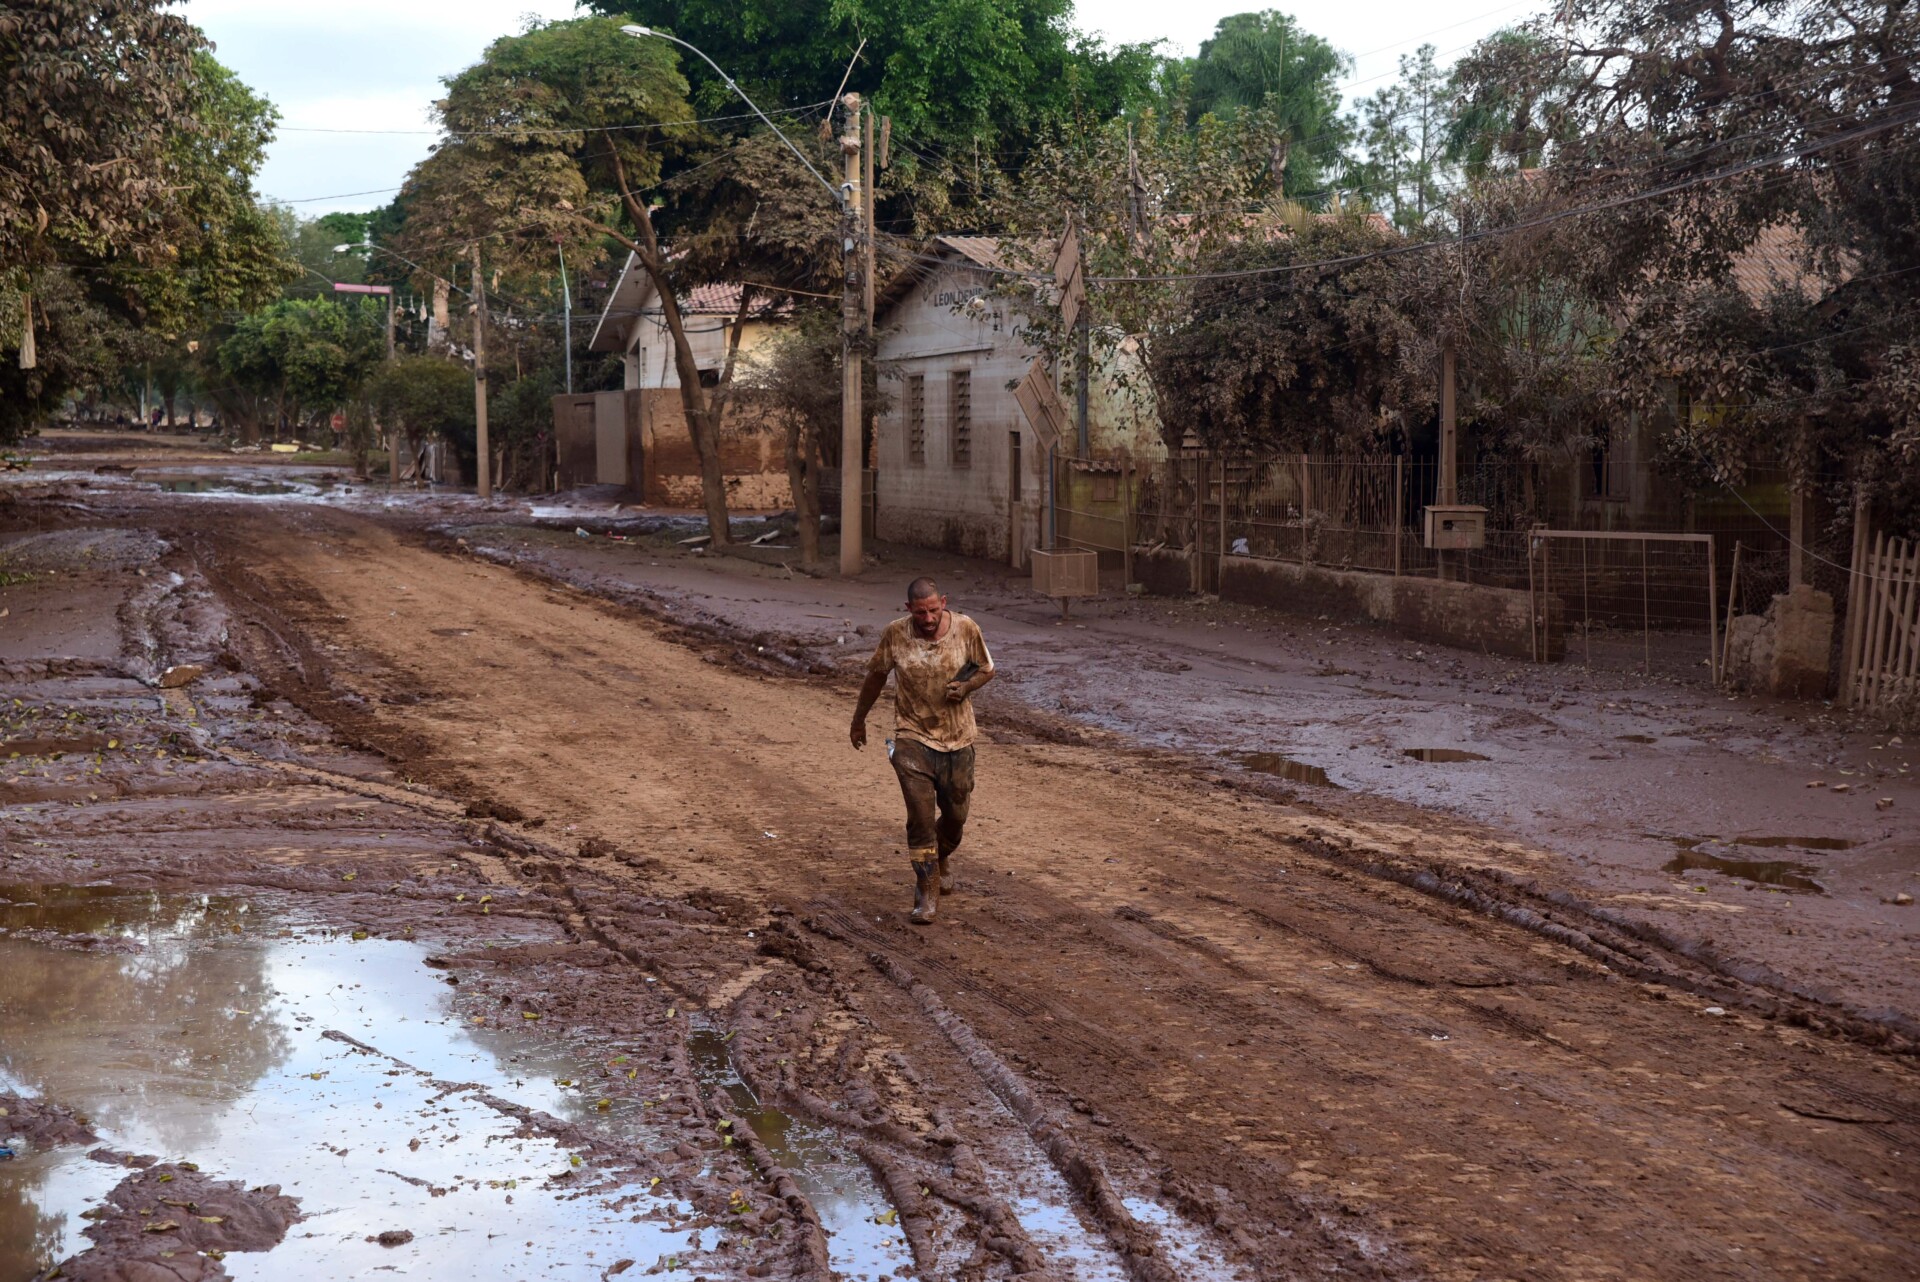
(1264, 62)
(968, 84)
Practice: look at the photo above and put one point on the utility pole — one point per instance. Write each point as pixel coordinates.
(393, 431)
(566, 313)
(851, 470)
(485, 459)
(1449, 453)
(1081, 381)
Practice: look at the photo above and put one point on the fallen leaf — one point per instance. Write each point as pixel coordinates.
(348, 876)
(528, 1014)
(161, 1226)
(888, 1218)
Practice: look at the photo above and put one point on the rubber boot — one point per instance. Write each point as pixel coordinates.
(926, 892)
(946, 872)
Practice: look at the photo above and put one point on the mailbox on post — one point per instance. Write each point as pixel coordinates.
(1065, 573)
(1456, 526)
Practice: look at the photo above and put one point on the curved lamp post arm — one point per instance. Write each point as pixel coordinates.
(641, 33)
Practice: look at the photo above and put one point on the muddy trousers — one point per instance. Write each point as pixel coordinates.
(937, 786)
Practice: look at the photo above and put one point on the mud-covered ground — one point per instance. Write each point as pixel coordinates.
(1185, 1019)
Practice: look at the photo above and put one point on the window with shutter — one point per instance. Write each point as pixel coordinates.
(960, 416)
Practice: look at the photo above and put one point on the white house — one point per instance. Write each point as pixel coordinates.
(634, 325)
(958, 465)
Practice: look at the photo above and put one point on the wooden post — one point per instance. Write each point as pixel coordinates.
(1733, 589)
(1879, 593)
(483, 461)
(1902, 569)
(1400, 516)
(1798, 501)
(1856, 598)
(1449, 454)
(1126, 523)
(852, 465)
(1646, 616)
(1533, 604)
(1220, 555)
(1713, 615)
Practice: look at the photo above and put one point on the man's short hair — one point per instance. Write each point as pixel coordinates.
(922, 589)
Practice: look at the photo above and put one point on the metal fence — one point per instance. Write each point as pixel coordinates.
(1642, 601)
(1639, 600)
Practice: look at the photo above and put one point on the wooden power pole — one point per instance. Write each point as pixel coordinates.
(484, 464)
(1449, 454)
(852, 470)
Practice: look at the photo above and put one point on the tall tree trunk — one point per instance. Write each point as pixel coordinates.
(702, 414)
(803, 478)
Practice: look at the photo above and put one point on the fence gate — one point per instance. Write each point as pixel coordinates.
(1882, 672)
(1626, 601)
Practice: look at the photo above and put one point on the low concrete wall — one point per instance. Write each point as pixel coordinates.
(1467, 615)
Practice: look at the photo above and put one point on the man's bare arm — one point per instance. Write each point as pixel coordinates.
(869, 694)
(960, 690)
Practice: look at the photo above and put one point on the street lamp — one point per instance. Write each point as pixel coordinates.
(639, 32)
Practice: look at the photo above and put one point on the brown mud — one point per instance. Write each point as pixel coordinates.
(1177, 1024)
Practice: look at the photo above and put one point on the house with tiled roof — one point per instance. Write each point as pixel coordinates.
(957, 465)
(636, 438)
(633, 324)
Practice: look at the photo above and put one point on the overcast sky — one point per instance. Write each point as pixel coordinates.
(353, 79)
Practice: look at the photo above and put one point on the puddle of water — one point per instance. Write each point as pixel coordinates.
(1057, 1231)
(1272, 763)
(225, 485)
(1441, 754)
(1797, 843)
(189, 1027)
(1636, 738)
(1768, 872)
(842, 1189)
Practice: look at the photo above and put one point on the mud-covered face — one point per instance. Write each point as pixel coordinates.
(926, 614)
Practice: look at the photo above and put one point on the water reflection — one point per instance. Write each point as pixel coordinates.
(191, 1027)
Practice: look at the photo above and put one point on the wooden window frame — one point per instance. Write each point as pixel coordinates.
(916, 418)
(960, 417)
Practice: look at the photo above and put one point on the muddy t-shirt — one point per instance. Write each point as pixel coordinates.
(921, 670)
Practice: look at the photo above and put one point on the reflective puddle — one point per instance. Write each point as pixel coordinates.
(194, 1029)
(1272, 763)
(842, 1189)
(226, 485)
(1786, 874)
(1442, 754)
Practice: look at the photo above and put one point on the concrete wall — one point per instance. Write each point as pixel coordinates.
(661, 465)
(1467, 615)
(752, 456)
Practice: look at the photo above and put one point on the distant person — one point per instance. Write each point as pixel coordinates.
(938, 659)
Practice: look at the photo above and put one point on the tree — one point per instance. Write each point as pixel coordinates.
(1404, 128)
(126, 209)
(423, 396)
(547, 146)
(1767, 123)
(1276, 353)
(1264, 62)
(795, 378)
(970, 85)
(96, 90)
(301, 358)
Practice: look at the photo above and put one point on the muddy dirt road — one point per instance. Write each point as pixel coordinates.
(1171, 1027)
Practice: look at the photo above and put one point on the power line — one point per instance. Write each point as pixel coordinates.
(549, 129)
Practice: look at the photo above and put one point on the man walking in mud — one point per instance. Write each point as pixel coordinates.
(938, 659)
